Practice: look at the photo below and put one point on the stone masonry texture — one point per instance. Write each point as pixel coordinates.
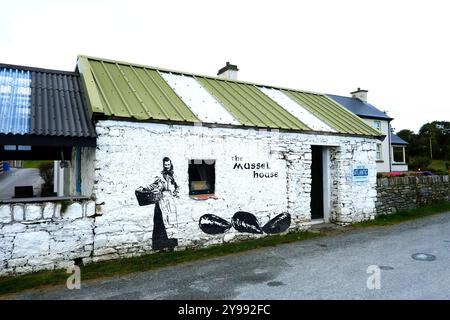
(403, 193)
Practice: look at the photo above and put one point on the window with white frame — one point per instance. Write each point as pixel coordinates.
(377, 125)
(379, 152)
(399, 154)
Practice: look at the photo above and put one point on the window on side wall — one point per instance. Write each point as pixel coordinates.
(379, 152)
(202, 178)
(377, 125)
(399, 154)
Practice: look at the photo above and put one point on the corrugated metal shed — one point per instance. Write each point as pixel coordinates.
(121, 89)
(41, 102)
(331, 113)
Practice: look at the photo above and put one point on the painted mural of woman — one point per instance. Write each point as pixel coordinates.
(161, 192)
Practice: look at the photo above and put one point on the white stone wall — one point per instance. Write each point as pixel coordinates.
(40, 237)
(130, 155)
(87, 171)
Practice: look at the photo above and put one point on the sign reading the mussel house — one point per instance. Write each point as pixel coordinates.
(260, 170)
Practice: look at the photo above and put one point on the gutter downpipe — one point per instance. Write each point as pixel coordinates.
(390, 146)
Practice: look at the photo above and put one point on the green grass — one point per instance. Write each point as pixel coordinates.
(35, 163)
(438, 165)
(153, 261)
(401, 216)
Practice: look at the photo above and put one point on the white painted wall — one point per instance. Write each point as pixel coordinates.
(384, 165)
(42, 236)
(130, 155)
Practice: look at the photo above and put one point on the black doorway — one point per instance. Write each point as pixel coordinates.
(317, 211)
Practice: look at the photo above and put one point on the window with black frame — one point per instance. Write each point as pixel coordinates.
(202, 176)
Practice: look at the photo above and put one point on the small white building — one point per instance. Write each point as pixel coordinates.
(244, 158)
(391, 151)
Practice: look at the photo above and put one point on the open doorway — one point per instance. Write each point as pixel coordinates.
(320, 184)
(317, 209)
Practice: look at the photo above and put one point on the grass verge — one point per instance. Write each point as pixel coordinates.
(143, 263)
(153, 261)
(406, 215)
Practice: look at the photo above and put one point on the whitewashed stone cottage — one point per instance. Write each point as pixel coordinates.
(184, 160)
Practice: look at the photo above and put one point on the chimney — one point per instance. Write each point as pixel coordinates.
(360, 94)
(230, 71)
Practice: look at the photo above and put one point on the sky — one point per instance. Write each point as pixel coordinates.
(397, 50)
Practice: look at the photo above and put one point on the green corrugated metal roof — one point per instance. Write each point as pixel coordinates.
(331, 113)
(250, 106)
(125, 90)
(135, 91)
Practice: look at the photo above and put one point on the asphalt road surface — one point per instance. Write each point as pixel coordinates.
(19, 177)
(334, 267)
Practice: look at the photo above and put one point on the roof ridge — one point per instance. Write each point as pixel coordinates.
(196, 74)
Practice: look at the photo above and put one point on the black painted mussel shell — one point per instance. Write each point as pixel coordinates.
(245, 222)
(212, 224)
(278, 224)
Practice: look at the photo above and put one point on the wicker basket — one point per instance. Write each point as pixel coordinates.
(146, 196)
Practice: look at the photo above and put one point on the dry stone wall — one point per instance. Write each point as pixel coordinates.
(403, 193)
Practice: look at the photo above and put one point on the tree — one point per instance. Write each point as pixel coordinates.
(406, 135)
(438, 135)
(433, 139)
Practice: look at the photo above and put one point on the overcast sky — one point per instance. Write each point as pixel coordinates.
(398, 50)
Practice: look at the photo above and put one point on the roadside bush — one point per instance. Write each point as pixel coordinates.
(419, 163)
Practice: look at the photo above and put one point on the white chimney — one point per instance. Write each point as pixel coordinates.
(230, 71)
(360, 94)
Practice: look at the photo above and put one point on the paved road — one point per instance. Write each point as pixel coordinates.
(332, 267)
(19, 177)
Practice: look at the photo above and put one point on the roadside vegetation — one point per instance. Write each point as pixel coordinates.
(440, 166)
(149, 262)
(35, 163)
(429, 149)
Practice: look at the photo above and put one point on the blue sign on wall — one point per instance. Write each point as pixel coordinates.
(360, 172)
